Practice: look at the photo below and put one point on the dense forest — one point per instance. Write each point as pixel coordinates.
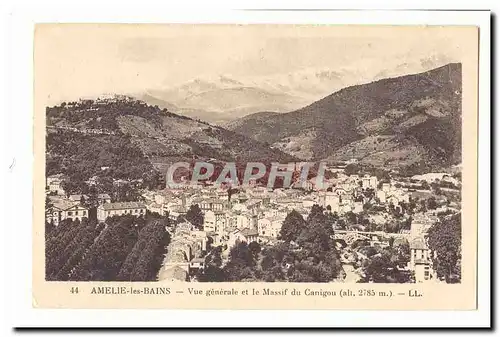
(80, 157)
(445, 238)
(125, 248)
(102, 114)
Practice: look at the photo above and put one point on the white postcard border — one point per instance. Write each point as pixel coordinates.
(19, 186)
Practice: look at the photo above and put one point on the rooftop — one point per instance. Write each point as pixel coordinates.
(63, 204)
(418, 243)
(122, 205)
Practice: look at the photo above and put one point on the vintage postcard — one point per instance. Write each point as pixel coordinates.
(255, 166)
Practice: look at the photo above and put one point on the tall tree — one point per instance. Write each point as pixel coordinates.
(445, 239)
(241, 265)
(195, 216)
(212, 271)
(383, 268)
(292, 226)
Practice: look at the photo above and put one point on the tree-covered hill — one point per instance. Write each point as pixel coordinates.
(393, 122)
(123, 138)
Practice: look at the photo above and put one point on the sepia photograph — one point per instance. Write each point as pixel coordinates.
(249, 165)
(253, 153)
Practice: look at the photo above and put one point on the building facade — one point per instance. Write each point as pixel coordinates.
(66, 210)
(120, 208)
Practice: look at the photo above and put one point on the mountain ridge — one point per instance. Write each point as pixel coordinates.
(404, 107)
(304, 86)
(161, 136)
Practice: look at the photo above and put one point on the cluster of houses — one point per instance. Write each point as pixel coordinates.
(256, 213)
(71, 207)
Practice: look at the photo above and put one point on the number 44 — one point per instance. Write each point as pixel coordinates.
(74, 290)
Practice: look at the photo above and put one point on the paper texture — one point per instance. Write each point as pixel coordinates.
(157, 184)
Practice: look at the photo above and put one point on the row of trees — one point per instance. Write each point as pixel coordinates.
(144, 261)
(66, 244)
(126, 248)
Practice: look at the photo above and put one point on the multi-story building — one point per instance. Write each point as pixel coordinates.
(120, 208)
(64, 209)
(331, 199)
(420, 261)
(214, 221)
(240, 219)
(214, 205)
(270, 227)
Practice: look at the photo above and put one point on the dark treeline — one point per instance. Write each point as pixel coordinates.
(144, 261)
(80, 157)
(65, 246)
(103, 114)
(445, 238)
(125, 248)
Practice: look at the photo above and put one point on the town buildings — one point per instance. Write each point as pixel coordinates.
(120, 208)
(101, 198)
(420, 260)
(184, 254)
(63, 209)
(256, 213)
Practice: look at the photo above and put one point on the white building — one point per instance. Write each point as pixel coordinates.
(386, 187)
(420, 261)
(357, 207)
(64, 209)
(381, 196)
(101, 198)
(120, 208)
(214, 221)
(331, 199)
(270, 227)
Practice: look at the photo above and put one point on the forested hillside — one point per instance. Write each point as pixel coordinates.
(123, 138)
(413, 120)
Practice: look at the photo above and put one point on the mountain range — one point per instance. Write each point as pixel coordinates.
(223, 98)
(409, 122)
(412, 120)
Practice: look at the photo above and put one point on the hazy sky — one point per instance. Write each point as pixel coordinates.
(72, 61)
